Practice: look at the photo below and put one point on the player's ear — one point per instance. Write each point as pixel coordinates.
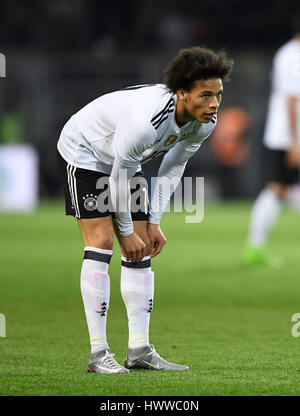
(181, 94)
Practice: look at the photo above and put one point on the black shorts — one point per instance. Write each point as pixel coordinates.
(276, 169)
(86, 197)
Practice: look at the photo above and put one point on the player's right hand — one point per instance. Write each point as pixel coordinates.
(133, 247)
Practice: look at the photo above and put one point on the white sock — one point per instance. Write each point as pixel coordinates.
(264, 214)
(137, 288)
(292, 198)
(95, 290)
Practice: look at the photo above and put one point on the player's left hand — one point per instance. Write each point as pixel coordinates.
(157, 239)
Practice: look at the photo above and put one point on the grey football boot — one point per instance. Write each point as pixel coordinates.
(104, 362)
(146, 358)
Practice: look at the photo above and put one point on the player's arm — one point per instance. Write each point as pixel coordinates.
(131, 141)
(169, 176)
(132, 244)
(293, 154)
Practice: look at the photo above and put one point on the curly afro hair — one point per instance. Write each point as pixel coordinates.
(195, 63)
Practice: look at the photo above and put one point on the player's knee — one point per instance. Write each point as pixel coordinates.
(279, 189)
(148, 247)
(144, 236)
(107, 243)
(104, 242)
(147, 244)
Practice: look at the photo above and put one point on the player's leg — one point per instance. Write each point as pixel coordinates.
(137, 278)
(265, 212)
(98, 234)
(137, 288)
(292, 198)
(266, 209)
(94, 281)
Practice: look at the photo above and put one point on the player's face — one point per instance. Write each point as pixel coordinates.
(201, 102)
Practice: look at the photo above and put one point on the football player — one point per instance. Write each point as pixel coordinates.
(281, 150)
(104, 146)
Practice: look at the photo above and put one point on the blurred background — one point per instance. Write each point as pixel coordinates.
(61, 54)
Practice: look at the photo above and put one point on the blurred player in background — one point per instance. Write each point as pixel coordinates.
(110, 138)
(282, 150)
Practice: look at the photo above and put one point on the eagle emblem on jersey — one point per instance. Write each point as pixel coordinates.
(170, 140)
(90, 202)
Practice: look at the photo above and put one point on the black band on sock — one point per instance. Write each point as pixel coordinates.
(140, 265)
(93, 255)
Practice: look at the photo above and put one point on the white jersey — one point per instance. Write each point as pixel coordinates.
(127, 128)
(285, 83)
(134, 125)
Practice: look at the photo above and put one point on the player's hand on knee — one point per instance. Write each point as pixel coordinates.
(157, 239)
(134, 247)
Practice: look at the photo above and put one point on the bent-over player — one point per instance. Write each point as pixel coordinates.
(111, 138)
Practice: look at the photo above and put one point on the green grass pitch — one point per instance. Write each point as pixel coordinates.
(231, 324)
